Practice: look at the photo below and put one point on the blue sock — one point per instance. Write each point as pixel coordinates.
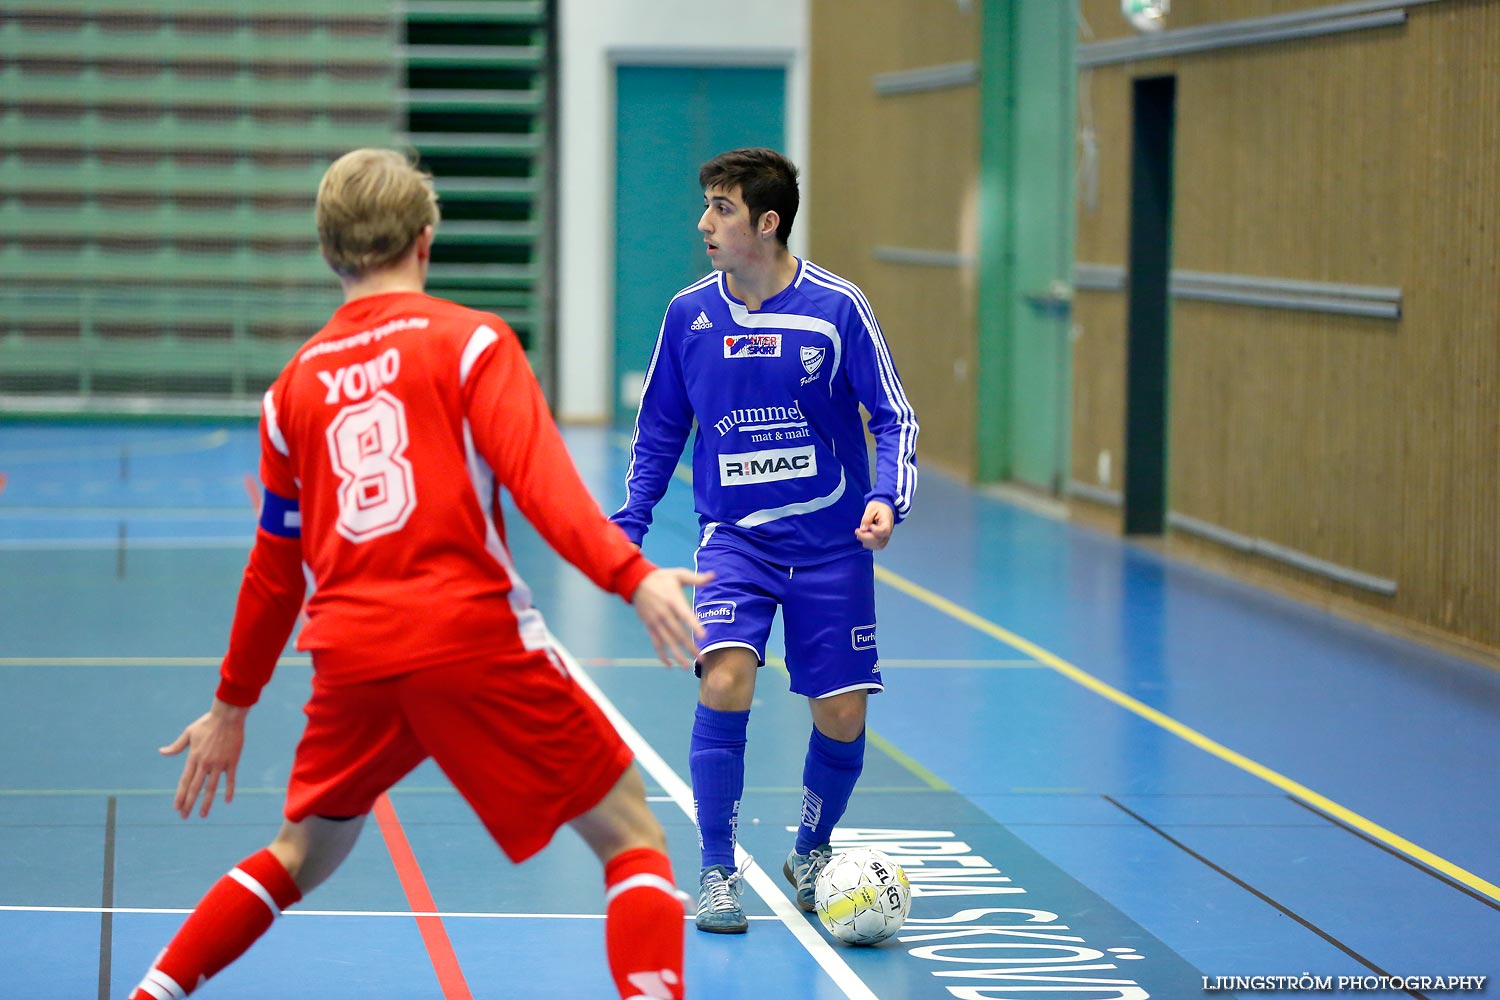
(716, 758)
(828, 780)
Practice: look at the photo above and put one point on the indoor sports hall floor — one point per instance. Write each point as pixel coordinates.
(1109, 775)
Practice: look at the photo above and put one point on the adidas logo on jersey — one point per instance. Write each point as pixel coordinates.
(702, 322)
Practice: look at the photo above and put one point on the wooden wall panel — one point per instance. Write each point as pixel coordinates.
(1102, 237)
(1280, 430)
(1098, 389)
(1451, 437)
(933, 344)
(901, 170)
(1104, 226)
(1106, 23)
(1360, 158)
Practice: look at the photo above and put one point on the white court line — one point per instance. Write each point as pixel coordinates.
(458, 915)
(817, 946)
(94, 544)
(678, 792)
(136, 449)
(134, 513)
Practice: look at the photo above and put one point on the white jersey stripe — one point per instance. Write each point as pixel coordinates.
(273, 429)
(805, 507)
(884, 366)
(882, 348)
(250, 882)
(635, 436)
(529, 622)
(906, 471)
(708, 279)
(867, 313)
(906, 475)
(479, 340)
(162, 986)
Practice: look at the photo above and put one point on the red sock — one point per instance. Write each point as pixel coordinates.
(643, 925)
(227, 921)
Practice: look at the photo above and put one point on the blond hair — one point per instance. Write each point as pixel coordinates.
(372, 205)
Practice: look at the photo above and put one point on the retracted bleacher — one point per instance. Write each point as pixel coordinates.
(158, 164)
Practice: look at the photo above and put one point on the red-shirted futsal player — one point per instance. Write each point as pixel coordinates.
(384, 443)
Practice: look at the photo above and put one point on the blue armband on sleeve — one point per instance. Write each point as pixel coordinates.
(281, 516)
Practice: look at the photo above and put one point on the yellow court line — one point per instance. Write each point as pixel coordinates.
(925, 776)
(918, 771)
(1188, 733)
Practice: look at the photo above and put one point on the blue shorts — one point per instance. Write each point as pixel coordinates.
(827, 616)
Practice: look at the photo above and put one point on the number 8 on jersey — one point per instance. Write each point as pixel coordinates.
(367, 445)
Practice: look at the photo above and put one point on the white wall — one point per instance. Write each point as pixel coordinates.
(593, 37)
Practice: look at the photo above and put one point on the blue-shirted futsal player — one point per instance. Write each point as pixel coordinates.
(773, 355)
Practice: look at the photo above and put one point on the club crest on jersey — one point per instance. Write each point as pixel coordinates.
(753, 345)
(812, 359)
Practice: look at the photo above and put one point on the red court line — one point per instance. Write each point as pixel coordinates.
(419, 898)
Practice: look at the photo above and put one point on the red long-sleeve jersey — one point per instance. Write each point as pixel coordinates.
(388, 437)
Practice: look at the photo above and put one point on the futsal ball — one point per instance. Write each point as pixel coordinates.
(862, 896)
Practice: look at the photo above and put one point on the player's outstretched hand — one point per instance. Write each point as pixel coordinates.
(667, 615)
(875, 527)
(213, 742)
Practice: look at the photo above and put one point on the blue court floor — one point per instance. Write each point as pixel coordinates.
(1109, 775)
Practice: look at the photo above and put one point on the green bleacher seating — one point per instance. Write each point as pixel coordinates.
(158, 164)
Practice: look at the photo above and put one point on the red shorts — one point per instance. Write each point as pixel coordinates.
(523, 744)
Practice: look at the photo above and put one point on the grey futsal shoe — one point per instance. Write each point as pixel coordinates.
(802, 871)
(719, 909)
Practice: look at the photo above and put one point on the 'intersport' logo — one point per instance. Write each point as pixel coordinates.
(753, 345)
(769, 466)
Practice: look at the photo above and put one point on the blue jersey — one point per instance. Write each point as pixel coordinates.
(780, 465)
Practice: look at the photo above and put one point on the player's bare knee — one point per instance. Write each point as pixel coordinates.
(722, 696)
(841, 718)
(841, 728)
(728, 679)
